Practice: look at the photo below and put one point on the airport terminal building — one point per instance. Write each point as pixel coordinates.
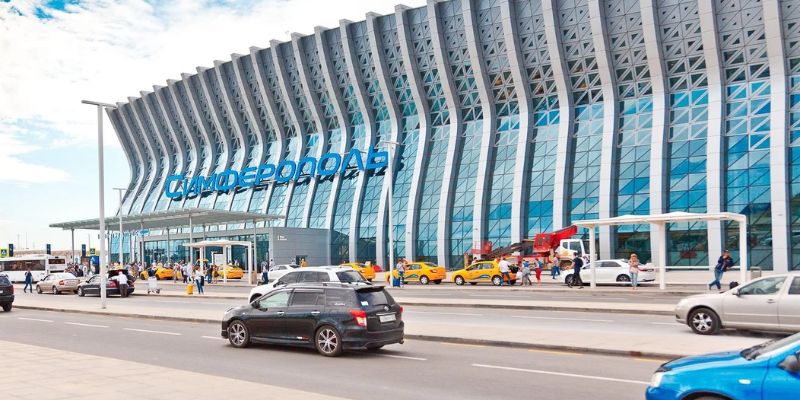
(489, 121)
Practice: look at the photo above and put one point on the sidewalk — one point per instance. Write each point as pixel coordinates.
(669, 342)
(90, 377)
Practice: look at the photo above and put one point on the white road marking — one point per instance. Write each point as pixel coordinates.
(213, 337)
(536, 371)
(563, 319)
(35, 319)
(148, 331)
(89, 325)
(404, 357)
(445, 313)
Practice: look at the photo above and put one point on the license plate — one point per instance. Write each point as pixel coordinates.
(388, 318)
(2, 291)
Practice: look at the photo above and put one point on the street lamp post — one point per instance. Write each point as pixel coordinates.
(103, 273)
(390, 147)
(121, 191)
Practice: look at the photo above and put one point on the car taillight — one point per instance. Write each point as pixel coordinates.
(61, 283)
(401, 309)
(12, 289)
(360, 316)
(112, 284)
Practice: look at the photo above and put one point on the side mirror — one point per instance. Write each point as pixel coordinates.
(790, 363)
(736, 293)
(280, 283)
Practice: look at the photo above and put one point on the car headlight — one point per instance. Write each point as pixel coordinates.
(655, 381)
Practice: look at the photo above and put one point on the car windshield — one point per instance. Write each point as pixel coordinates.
(350, 276)
(430, 265)
(754, 352)
(66, 276)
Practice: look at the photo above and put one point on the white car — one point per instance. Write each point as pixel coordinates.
(768, 303)
(310, 274)
(277, 271)
(611, 272)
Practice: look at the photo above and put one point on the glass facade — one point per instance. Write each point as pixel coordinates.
(257, 109)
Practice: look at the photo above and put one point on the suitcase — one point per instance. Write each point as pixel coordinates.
(395, 282)
(190, 288)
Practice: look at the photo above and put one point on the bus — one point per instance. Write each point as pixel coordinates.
(39, 264)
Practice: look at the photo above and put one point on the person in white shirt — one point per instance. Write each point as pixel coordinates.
(505, 268)
(122, 283)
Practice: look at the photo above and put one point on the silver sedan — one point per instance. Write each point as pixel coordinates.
(770, 303)
(57, 283)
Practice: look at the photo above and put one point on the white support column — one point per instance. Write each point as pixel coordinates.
(608, 154)
(238, 123)
(202, 125)
(520, 189)
(423, 141)
(743, 251)
(779, 140)
(325, 62)
(149, 147)
(216, 121)
(313, 104)
(272, 112)
(449, 178)
(163, 138)
(293, 111)
(173, 128)
(184, 119)
(488, 136)
(662, 258)
(566, 114)
(714, 148)
(338, 108)
(658, 133)
(126, 139)
(592, 259)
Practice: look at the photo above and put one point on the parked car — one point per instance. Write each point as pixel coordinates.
(766, 371)
(611, 272)
(277, 271)
(483, 271)
(57, 283)
(92, 286)
(368, 272)
(422, 272)
(233, 272)
(310, 275)
(768, 303)
(6, 293)
(331, 317)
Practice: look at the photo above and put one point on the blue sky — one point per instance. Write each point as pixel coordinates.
(56, 53)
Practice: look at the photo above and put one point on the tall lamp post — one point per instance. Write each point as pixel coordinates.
(390, 145)
(121, 192)
(103, 273)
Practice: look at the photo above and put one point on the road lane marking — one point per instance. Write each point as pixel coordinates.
(149, 331)
(444, 313)
(404, 357)
(536, 371)
(35, 319)
(213, 337)
(88, 325)
(563, 319)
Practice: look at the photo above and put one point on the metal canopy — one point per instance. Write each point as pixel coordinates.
(168, 218)
(217, 243)
(661, 221)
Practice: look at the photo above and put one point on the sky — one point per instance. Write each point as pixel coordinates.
(53, 54)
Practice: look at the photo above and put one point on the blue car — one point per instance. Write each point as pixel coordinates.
(768, 371)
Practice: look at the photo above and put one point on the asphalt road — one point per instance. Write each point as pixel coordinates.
(414, 370)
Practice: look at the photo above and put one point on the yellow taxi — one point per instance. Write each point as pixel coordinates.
(233, 272)
(423, 272)
(483, 271)
(367, 271)
(162, 272)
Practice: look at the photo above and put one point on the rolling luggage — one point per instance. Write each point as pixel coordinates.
(190, 288)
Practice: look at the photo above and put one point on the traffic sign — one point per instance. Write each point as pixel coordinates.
(92, 251)
(3, 253)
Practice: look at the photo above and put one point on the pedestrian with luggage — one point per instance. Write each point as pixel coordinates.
(199, 277)
(526, 273)
(634, 269)
(723, 264)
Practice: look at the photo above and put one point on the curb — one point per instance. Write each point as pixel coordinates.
(427, 338)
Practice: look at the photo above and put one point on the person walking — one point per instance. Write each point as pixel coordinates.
(401, 272)
(538, 266)
(555, 270)
(526, 273)
(28, 281)
(577, 265)
(505, 269)
(264, 273)
(723, 264)
(634, 270)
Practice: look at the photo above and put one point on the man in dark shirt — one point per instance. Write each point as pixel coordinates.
(577, 264)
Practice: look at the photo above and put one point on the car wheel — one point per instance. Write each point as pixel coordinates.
(424, 280)
(497, 280)
(704, 321)
(80, 292)
(38, 289)
(437, 281)
(328, 341)
(623, 278)
(55, 290)
(7, 307)
(459, 280)
(238, 334)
